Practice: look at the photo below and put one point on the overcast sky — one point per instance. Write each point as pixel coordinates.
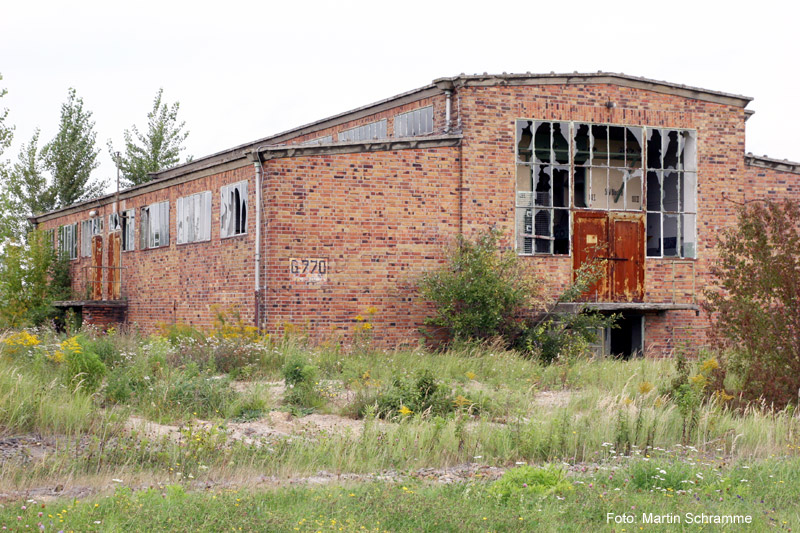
(244, 70)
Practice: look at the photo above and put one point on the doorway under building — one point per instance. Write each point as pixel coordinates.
(625, 340)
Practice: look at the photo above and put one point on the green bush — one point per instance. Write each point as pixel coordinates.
(528, 481)
(480, 291)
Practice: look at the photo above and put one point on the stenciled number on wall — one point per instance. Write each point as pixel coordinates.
(308, 270)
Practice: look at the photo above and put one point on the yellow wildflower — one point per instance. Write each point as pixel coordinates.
(405, 411)
(471, 375)
(645, 387)
(359, 318)
(371, 310)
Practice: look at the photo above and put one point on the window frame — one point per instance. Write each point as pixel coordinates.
(146, 233)
(128, 230)
(362, 133)
(401, 129)
(644, 168)
(224, 208)
(71, 242)
(185, 206)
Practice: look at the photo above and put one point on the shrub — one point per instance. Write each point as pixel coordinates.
(480, 291)
(755, 300)
(529, 481)
(301, 383)
(84, 368)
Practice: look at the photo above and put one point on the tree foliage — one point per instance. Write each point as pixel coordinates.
(71, 156)
(756, 299)
(156, 149)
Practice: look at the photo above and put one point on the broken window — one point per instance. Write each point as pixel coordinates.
(367, 132)
(233, 209)
(194, 218)
(543, 156)
(154, 231)
(671, 193)
(613, 155)
(417, 122)
(127, 223)
(68, 241)
(114, 222)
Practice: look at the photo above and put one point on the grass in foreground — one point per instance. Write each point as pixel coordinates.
(767, 495)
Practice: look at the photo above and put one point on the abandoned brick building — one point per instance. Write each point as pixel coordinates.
(316, 224)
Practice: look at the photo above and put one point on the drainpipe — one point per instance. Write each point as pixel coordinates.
(446, 85)
(448, 94)
(255, 157)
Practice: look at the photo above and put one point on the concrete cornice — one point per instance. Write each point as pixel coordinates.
(783, 165)
(612, 78)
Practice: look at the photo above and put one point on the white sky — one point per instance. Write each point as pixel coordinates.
(244, 70)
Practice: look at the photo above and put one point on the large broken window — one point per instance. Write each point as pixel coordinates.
(671, 193)
(367, 132)
(194, 218)
(417, 122)
(128, 226)
(154, 230)
(542, 206)
(68, 241)
(233, 209)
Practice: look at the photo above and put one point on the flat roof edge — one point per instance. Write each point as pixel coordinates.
(783, 165)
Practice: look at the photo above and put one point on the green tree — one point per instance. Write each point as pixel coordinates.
(156, 149)
(756, 300)
(6, 201)
(71, 156)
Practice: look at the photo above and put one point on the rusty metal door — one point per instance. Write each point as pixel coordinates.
(626, 261)
(114, 272)
(590, 242)
(96, 277)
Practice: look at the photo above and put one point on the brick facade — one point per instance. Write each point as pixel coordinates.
(381, 212)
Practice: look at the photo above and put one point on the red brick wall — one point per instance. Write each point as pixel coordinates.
(181, 282)
(379, 219)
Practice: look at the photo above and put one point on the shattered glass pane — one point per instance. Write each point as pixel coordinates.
(561, 186)
(653, 190)
(670, 197)
(633, 147)
(600, 146)
(524, 140)
(560, 142)
(654, 149)
(653, 234)
(543, 185)
(580, 187)
(616, 188)
(543, 246)
(670, 143)
(582, 147)
(616, 146)
(561, 231)
(541, 224)
(689, 150)
(541, 142)
(670, 239)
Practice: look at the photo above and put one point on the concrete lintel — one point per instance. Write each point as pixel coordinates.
(91, 303)
(627, 306)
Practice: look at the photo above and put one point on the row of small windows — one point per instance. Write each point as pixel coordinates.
(569, 165)
(193, 223)
(409, 124)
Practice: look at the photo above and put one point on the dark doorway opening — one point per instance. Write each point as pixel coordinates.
(626, 340)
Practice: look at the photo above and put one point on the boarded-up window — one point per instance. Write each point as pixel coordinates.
(367, 132)
(86, 238)
(155, 226)
(233, 209)
(194, 218)
(128, 228)
(417, 122)
(68, 241)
